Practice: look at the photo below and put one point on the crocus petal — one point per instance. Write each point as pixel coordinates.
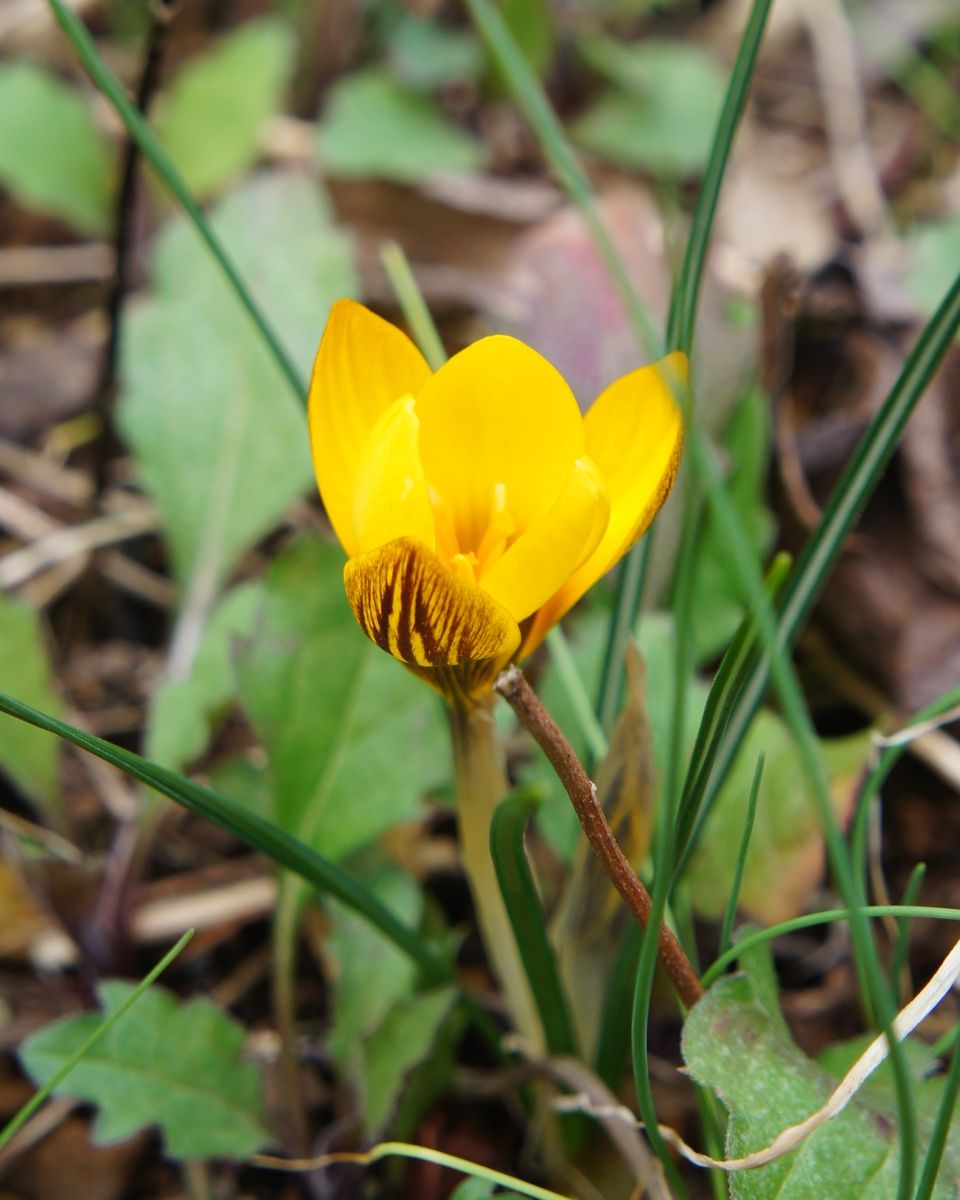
(634, 433)
(363, 365)
(539, 561)
(497, 414)
(390, 497)
(412, 606)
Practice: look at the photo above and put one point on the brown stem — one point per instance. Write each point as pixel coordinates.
(583, 795)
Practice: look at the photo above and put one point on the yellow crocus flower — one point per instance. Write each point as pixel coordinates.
(475, 503)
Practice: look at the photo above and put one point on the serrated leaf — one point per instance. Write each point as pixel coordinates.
(785, 857)
(211, 116)
(177, 1066)
(736, 1042)
(660, 114)
(220, 443)
(374, 127)
(181, 710)
(52, 155)
(353, 740)
(29, 756)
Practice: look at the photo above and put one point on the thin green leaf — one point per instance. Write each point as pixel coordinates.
(941, 1129)
(826, 917)
(726, 927)
(725, 688)
(250, 828)
(866, 959)
(885, 763)
(686, 292)
(572, 681)
(901, 947)
(613, 1034)
(532, 99)
(526, 917)
(411, 301)
(859, 478)
(152, 150)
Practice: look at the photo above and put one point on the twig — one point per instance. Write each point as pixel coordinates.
(583, 795)
(162, 13)
(31, 265)
(73, 541)
(571, 1073)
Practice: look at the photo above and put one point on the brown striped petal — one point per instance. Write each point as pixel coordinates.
(413, 607)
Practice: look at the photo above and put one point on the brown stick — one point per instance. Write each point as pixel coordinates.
(583, 795)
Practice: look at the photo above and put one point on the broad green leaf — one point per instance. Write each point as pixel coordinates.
(29, 756)
(402, 1043)
(182, 710)
(935, 253)
(370, 974)
(220, 445)
(382, 1029)
(176, 1066)
(785, 858)
(479, 1189)
(375, 127)
(660, 113)
(736, 1042)
(717, 606)
(211, 116)
(353, 739)
(425, 55)
(52, 155)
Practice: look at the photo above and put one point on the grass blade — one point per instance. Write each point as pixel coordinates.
(681, 319)
(20, 1118)
(849, 497)
(526, 917)
(941, 1129)
(612, 1036)
(898, 958)
(631, 580)
(249, 827)
(412, 304)
(573, 685)
(758, 936)
(686, 291)
(872, 982)
(531, 98)
(153, 151)
(726, 686)
(726, 928)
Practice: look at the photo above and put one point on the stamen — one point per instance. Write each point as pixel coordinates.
(464, 566)
(499, 532)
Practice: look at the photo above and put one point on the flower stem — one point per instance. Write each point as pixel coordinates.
(481, 784)
(583, 795)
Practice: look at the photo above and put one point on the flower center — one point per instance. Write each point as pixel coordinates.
(470, 563)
